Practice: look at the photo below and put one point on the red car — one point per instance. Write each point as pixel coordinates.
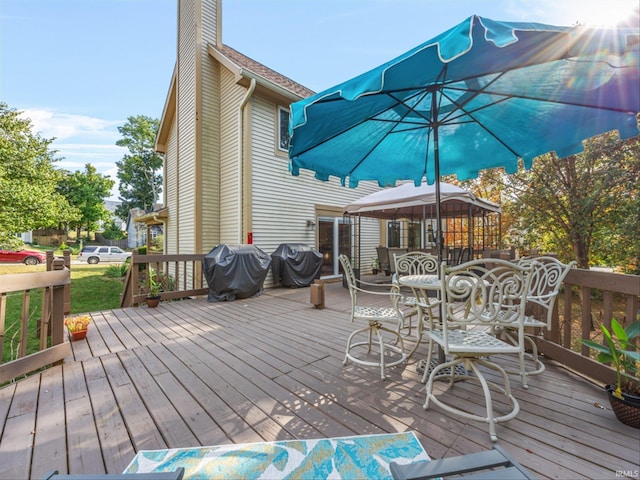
(28, 257)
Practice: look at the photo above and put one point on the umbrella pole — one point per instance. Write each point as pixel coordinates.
(436, 160)
(440, 235)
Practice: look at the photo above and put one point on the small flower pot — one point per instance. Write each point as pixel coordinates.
(78, 335)
(153, 302)
(627, 410)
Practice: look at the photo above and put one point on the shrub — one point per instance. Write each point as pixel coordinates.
(117, 270)
(113, 232)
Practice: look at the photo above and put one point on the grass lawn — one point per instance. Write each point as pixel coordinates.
(91, 291)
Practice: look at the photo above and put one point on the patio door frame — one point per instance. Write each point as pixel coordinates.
(337, 240)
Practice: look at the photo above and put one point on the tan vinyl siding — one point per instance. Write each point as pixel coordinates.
(171, 191)
(230, 164)
(370, 239)
(282, 203)
(186, 113)
(209, 116)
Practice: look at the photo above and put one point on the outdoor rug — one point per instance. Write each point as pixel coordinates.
(356, 457)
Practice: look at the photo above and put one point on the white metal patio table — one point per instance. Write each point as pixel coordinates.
(421, 285)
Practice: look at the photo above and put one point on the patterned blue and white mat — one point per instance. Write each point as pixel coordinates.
(356, 457)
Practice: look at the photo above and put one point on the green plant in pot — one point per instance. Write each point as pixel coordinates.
(621, 352)
(153, 289)
(375, 266)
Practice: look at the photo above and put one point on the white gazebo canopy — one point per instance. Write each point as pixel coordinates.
(409, 201)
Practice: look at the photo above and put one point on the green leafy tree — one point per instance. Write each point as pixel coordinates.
(584, 206)
(28, 179)
(87, 191)
(113, 231)
(140, 171)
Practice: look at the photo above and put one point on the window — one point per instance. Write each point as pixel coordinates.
(393, 234)
(283, 129)
(415, 235)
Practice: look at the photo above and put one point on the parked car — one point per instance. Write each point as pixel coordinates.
(28, 257)
(96, 253)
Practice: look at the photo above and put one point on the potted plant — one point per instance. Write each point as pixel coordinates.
(375, 266)
(622, 353)
(153, 289)
(77, 326)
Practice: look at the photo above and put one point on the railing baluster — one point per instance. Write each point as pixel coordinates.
(3, 313)
(608, 286)
(24, 323)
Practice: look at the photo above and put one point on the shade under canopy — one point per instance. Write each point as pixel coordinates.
(409, 201)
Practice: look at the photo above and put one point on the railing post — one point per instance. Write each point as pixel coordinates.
(135, 277)
(586, 319)
(49, 255)
(66, 256)
(566, 331)
(57, 307)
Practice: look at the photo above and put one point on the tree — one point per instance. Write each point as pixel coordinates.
(582, 205)
(28, 179)
(86, 191)
(140, 182)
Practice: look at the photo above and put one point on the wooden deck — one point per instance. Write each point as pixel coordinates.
(192, 373)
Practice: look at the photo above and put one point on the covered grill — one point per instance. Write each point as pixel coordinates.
(295, 265)
(235, 271)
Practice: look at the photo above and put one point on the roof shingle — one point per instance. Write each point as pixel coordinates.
(265, 72)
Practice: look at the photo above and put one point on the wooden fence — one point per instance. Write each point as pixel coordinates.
(618, 295)
(181, 276)
(51, 322)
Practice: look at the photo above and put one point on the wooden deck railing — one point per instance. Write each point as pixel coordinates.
(181, 277)
(618, 296)
(66, 258)
(51, 322)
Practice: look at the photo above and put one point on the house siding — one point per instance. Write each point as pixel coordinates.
(210, 175)
(281, 203)
(186, 124)
(171, 193)
(230, 161)
(218, 190)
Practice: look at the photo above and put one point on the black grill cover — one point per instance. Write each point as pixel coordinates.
(295, 265)
(235, 271)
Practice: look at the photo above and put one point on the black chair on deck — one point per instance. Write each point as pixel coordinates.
(494, 464)
(177, 474)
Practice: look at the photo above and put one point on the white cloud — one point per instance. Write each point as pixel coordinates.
(80, 139)
(64, 126)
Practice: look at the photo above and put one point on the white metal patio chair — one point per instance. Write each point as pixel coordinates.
(417, 263)
(547, 276)
(376, 317)
(494, 297)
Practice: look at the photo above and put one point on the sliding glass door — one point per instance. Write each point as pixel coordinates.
(334, 238)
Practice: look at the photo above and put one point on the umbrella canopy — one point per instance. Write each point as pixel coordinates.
(407, 201)
(483, 94)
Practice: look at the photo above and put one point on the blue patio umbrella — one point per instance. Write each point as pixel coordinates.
(483, 94)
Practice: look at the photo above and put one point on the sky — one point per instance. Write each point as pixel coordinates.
(79, 68)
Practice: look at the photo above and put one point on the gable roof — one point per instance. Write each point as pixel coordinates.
(245, 69)
(266, 73)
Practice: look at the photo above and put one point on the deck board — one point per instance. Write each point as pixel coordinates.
(83, 445)
(192, 373)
